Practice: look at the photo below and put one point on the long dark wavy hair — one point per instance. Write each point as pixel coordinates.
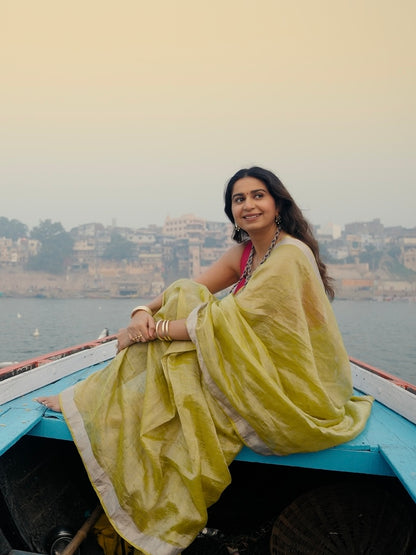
(293, 221)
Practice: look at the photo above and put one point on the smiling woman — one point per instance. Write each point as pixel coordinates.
(197, 377)
(256, 197)
(254, 210)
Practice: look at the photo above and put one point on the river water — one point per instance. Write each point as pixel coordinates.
(382, 334)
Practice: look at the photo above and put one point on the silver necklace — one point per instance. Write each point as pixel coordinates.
(248, 270)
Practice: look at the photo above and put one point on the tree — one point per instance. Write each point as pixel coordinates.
(371, 256)
(119, 248)
(393, 264)
(325, 255)
(12, 229)
(56, 248)
(47, 230)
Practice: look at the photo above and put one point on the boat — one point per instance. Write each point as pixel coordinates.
(359, 497)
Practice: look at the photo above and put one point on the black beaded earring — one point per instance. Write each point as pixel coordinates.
(236, 236)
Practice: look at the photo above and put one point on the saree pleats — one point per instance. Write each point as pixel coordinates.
(159, 426)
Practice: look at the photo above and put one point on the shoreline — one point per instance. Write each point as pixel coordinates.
(17, 284)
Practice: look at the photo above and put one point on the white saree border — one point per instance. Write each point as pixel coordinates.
(306, 251)
(119, 518)
(246, 432)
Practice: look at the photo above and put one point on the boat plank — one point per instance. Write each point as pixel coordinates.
(402, 458)
(359, 455)
(398, 445)
(29, 381)
(23, 415)
(386, 446)
(16, 422)
(387, 392)
(52, 426)
(345, 459)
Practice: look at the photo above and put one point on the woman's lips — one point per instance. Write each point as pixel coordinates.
(251, 217)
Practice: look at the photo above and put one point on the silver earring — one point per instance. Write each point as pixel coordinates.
(236, 227)
(278, 220)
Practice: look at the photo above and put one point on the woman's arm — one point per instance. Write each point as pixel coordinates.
(175, 330)
(142, 328)
(224, 272)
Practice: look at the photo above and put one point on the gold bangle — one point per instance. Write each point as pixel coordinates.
(157, 329)
(165, 330)
(163, 335)
(141, 307)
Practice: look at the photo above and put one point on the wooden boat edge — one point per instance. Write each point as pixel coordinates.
(25, 377)
(390, 391)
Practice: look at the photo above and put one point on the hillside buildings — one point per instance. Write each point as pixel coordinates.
(367, 259)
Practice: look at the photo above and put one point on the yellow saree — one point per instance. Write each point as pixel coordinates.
(159, 426)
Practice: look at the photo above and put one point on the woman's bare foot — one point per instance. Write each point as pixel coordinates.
(51, 402)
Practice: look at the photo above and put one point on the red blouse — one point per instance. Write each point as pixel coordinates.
(243, 262)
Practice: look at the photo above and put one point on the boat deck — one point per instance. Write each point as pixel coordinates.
(386, 447)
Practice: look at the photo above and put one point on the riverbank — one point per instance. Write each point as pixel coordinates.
(17, 283)
(122, 282)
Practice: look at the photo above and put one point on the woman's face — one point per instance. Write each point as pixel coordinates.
(253, 207)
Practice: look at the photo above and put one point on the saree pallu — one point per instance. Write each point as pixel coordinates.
(159, 426)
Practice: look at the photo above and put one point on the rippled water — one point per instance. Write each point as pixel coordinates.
(379, 333)
(382, 334)
(59, 323)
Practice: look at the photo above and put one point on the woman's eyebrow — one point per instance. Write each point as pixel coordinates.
(250, 192)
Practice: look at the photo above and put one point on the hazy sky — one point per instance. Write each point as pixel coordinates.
(134, 110)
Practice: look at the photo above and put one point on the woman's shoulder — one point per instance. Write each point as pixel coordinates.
(295, 248)
(224, 272)
(236, 251)
(237, 254)
(290, 240)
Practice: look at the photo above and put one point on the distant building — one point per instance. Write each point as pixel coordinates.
(17, 252)
(185, 227)
(331, 230)
(408, 252)
(374, 228)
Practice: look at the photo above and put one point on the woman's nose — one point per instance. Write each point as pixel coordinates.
(248, 203)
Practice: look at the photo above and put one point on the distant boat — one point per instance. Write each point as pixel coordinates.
(5, 364)
(36, 333)
(104, 333)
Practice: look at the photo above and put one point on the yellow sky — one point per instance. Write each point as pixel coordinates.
(137, 110)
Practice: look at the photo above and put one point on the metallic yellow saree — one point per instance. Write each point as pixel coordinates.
(159, 426)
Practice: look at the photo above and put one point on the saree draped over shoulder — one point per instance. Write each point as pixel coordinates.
(159, 426)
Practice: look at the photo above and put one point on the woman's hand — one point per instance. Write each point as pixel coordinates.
(140, 330)
(123, 339)
(142, 327)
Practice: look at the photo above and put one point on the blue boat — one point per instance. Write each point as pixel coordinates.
(359, 497)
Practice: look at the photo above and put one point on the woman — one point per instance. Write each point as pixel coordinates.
(196, 378)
